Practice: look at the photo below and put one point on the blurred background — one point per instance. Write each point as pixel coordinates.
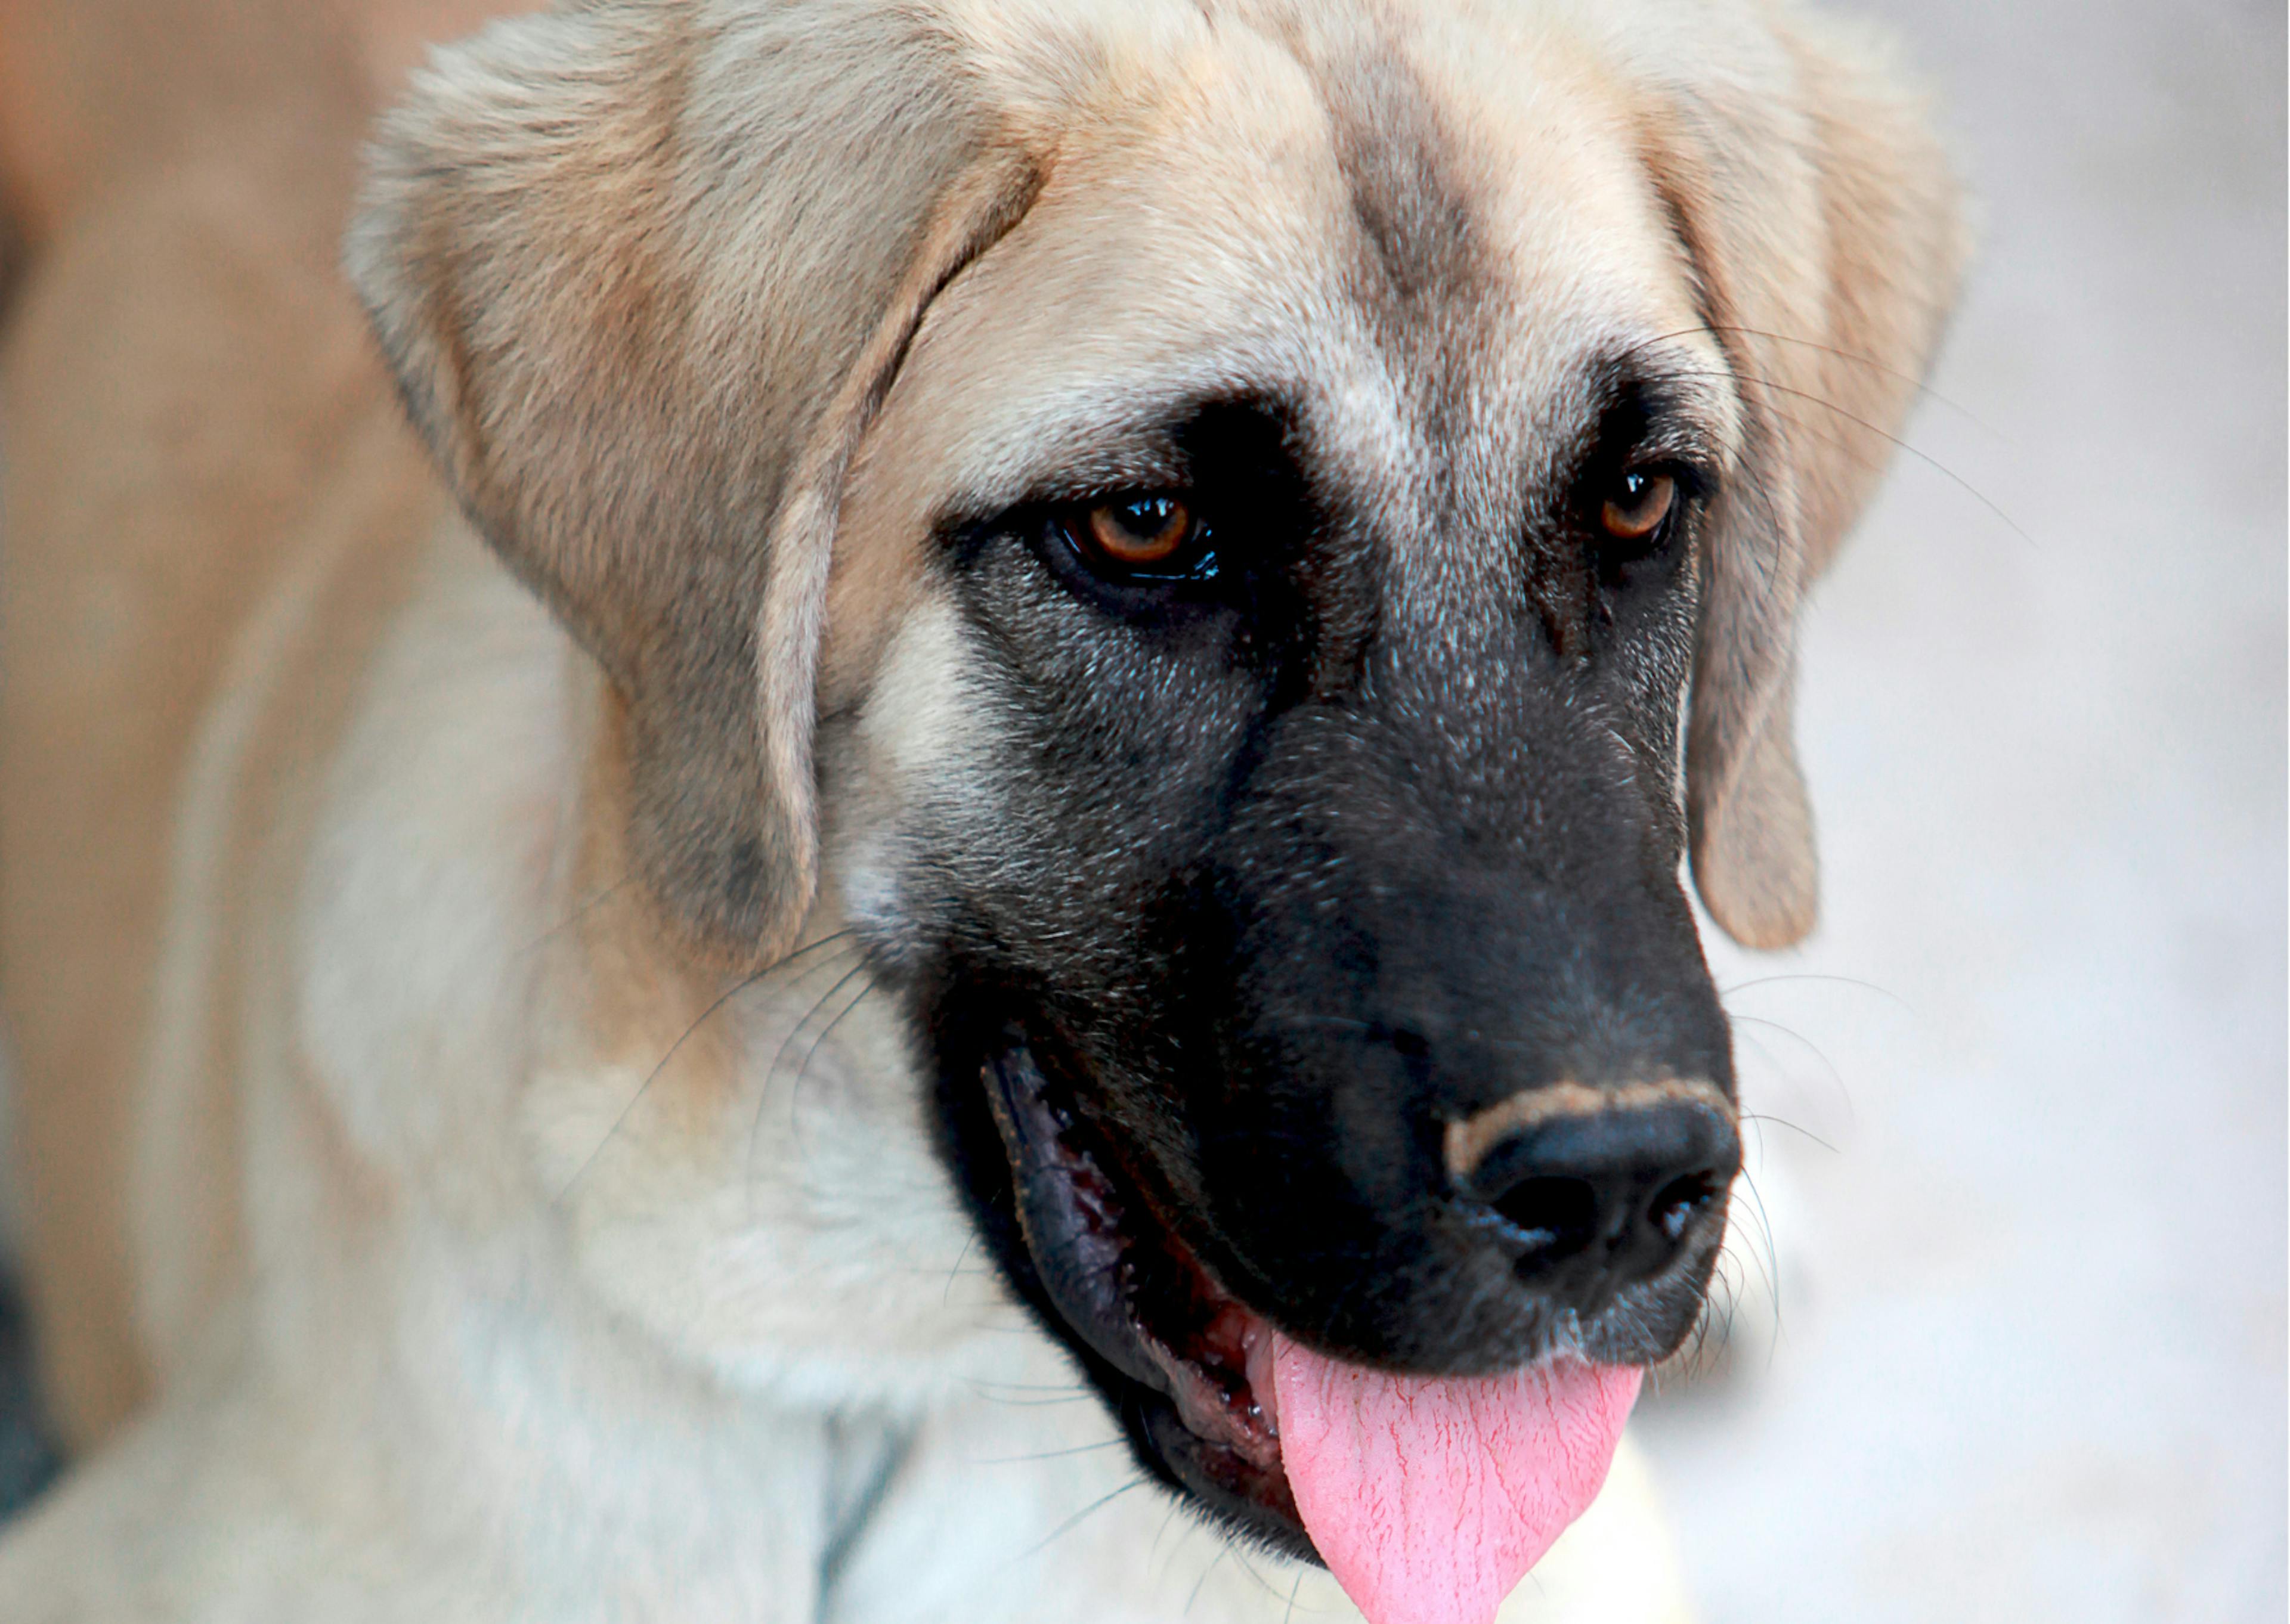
(2021, 1136)
(2028, 1204)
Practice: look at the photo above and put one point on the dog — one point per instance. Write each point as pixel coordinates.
(980, 830)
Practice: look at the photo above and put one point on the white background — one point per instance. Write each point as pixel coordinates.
(2030, 1362)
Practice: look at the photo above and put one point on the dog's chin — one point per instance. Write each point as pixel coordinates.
(1183, 1362)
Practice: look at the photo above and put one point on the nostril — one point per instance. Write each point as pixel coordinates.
(1555, 1216)
(1596, 1190)
(1680, 1201)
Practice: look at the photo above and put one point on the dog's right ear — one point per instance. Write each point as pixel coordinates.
(1822, 222)
(644, 276)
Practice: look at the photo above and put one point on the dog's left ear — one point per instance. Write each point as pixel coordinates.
(1823, 223)
(645, 272)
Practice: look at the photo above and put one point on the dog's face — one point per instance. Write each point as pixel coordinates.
(1275, 764)
(1262, 543)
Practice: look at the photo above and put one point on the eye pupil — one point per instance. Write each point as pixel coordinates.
(1144, 519)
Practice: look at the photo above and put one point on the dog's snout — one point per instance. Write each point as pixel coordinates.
(1597, 1187)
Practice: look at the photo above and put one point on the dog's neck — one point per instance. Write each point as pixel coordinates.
(661, 1199)
(703, 1127)
(623, 983)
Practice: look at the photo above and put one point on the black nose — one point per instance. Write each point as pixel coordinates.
(1597, 1188)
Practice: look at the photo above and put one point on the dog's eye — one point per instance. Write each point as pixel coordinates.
(1150, 536)
(1636, 505)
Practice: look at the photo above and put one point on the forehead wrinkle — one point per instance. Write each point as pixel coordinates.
(1529, 141)
(1436, 459)
(1392, 147)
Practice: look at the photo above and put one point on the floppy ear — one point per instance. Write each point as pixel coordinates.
(644, 274)
(1822, 220)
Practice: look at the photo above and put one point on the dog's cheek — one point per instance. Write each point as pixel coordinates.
(909, 786)
(1028, 773)
(1111, 769)
(1654, 666)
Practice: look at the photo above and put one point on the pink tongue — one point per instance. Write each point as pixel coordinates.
(1429, 1499)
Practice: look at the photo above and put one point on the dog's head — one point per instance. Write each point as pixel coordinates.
(1249, 543)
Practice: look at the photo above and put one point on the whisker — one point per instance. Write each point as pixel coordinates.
(1765, 1057)
(1871, 362)
(1836, 1077)
(580, 912)
(1770, 1267)
(1051, 1454)
(1720, 1322)
(1796, 975)
(1786, 1031)
(1162, 1532)
(753, 978)
(795, 1088)
(674, 1049)
(1194, 1594)
(954, 1273)
(1782, 1122)
(842, 980)
(1076, 1520)
(1917, 451)
(985, 1390)
(1249, 1568)
(1715, 1321)
(772, 1071)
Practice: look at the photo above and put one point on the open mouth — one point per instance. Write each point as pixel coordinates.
(1429, 1497)
(1195, 1366)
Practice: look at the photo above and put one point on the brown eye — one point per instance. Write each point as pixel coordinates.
(1637, 504)
(1141, 534)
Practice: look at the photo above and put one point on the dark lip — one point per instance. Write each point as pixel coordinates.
(1179, 1357)
(1174, 1350)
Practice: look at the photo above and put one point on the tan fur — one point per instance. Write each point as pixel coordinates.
(1469, 1139)
(396, 1098)
(1828, 328)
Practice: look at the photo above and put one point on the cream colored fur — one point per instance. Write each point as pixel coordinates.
(518, 1232)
